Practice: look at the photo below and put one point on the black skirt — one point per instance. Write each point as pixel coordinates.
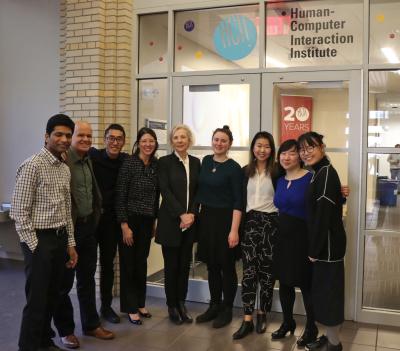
(328, 292)
(291, 264)
(214, 225)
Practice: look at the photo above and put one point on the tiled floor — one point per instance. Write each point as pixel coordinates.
(158, 333)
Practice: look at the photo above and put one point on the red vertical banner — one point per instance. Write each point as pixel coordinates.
(296, 116)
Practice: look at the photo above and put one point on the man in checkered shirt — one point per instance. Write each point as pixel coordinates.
(41, 208)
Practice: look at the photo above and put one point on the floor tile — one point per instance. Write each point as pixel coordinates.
(389, 337)
(356, 336)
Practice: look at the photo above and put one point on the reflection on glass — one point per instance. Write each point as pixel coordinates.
(153, 43)
(384, 109)
(327, 113)
(222, 38)
(384, 46)
(382, 208)
(207, 107)
(153, 100)
(314, 33)
(381, 272)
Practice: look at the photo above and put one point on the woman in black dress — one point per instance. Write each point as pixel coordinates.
(136, 205)
(326, 241)
(220, 199)
(178, 174)
(292, 266)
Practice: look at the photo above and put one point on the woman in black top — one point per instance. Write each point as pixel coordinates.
(326, 241)
(220, 200)
(137, 198)
(178, 174)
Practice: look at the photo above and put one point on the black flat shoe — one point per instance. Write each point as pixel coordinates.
(309, 336)
(245, 329)
(209, 315)
(186, 317)
(261, 324)
(135, 321)
(283, 330)
(145, 314)
(109, 315)
(174, 315)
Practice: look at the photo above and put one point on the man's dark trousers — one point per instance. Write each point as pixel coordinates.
(108, 235)
(43, 269)
(86, 247)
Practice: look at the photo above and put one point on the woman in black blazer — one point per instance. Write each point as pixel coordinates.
(178, 174)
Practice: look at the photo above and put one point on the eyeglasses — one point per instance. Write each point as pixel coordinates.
(118, 140)
(308, 149)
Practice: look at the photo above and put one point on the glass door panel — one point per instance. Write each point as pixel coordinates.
(328, 103)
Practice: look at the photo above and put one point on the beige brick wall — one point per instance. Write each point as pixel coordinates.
(96, 37)
(95, 51)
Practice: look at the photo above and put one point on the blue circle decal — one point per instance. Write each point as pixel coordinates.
(235, 37)
(189, 26)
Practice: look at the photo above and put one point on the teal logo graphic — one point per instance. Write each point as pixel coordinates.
(235, 37)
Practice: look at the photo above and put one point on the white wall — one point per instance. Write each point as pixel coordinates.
(29, 81)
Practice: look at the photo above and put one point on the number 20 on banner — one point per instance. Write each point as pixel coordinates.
(296, 116)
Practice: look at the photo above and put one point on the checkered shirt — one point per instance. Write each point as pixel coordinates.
(42, 197)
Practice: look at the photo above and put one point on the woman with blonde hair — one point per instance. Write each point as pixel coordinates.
(178, 174)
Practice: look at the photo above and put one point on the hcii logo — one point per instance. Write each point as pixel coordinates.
(235, 37)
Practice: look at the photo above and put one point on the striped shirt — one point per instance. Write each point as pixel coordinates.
(42, 197)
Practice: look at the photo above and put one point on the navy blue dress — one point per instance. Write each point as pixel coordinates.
(291, 264)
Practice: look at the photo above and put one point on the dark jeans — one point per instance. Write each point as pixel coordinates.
(287, 295)
(133, 264)
(176, 270)
(43, 270)
(86, 247)
(108, 234)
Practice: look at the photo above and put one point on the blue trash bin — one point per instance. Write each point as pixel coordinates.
(387, 192)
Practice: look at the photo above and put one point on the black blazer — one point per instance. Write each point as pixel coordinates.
(173, 184)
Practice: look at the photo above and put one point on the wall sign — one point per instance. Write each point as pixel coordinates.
(235, 37)
(296, 116)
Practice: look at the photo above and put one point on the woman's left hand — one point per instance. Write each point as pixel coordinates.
(233, 239)
(345, 190)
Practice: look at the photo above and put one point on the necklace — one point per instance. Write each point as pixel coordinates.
(216, 165)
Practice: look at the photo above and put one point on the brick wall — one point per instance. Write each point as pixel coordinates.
(95, 52)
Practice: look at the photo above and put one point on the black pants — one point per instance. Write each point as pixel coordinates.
(260, 235)
(287, 295)
(43, 270)
(108, 234)
(86, 247)
(133, 264)
(176, 270)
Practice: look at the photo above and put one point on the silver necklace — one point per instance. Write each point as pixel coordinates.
(216, 165)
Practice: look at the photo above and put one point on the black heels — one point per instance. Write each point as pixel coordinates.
(309, 335)
(245, 329)
(145, 314)
(134, 321)
(283, 330)
(186, 317)
(174, 315)
(261, 325)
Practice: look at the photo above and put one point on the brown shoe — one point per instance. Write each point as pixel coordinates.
(70, 341)
(100, 333)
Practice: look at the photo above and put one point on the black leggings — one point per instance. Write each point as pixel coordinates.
(222, 279)
(287, 295)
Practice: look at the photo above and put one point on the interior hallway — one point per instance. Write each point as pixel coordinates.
(158, 333)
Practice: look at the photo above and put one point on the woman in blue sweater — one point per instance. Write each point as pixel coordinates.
(292, 266)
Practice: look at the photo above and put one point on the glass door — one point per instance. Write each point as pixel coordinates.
(329, 103)
(205, 103)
